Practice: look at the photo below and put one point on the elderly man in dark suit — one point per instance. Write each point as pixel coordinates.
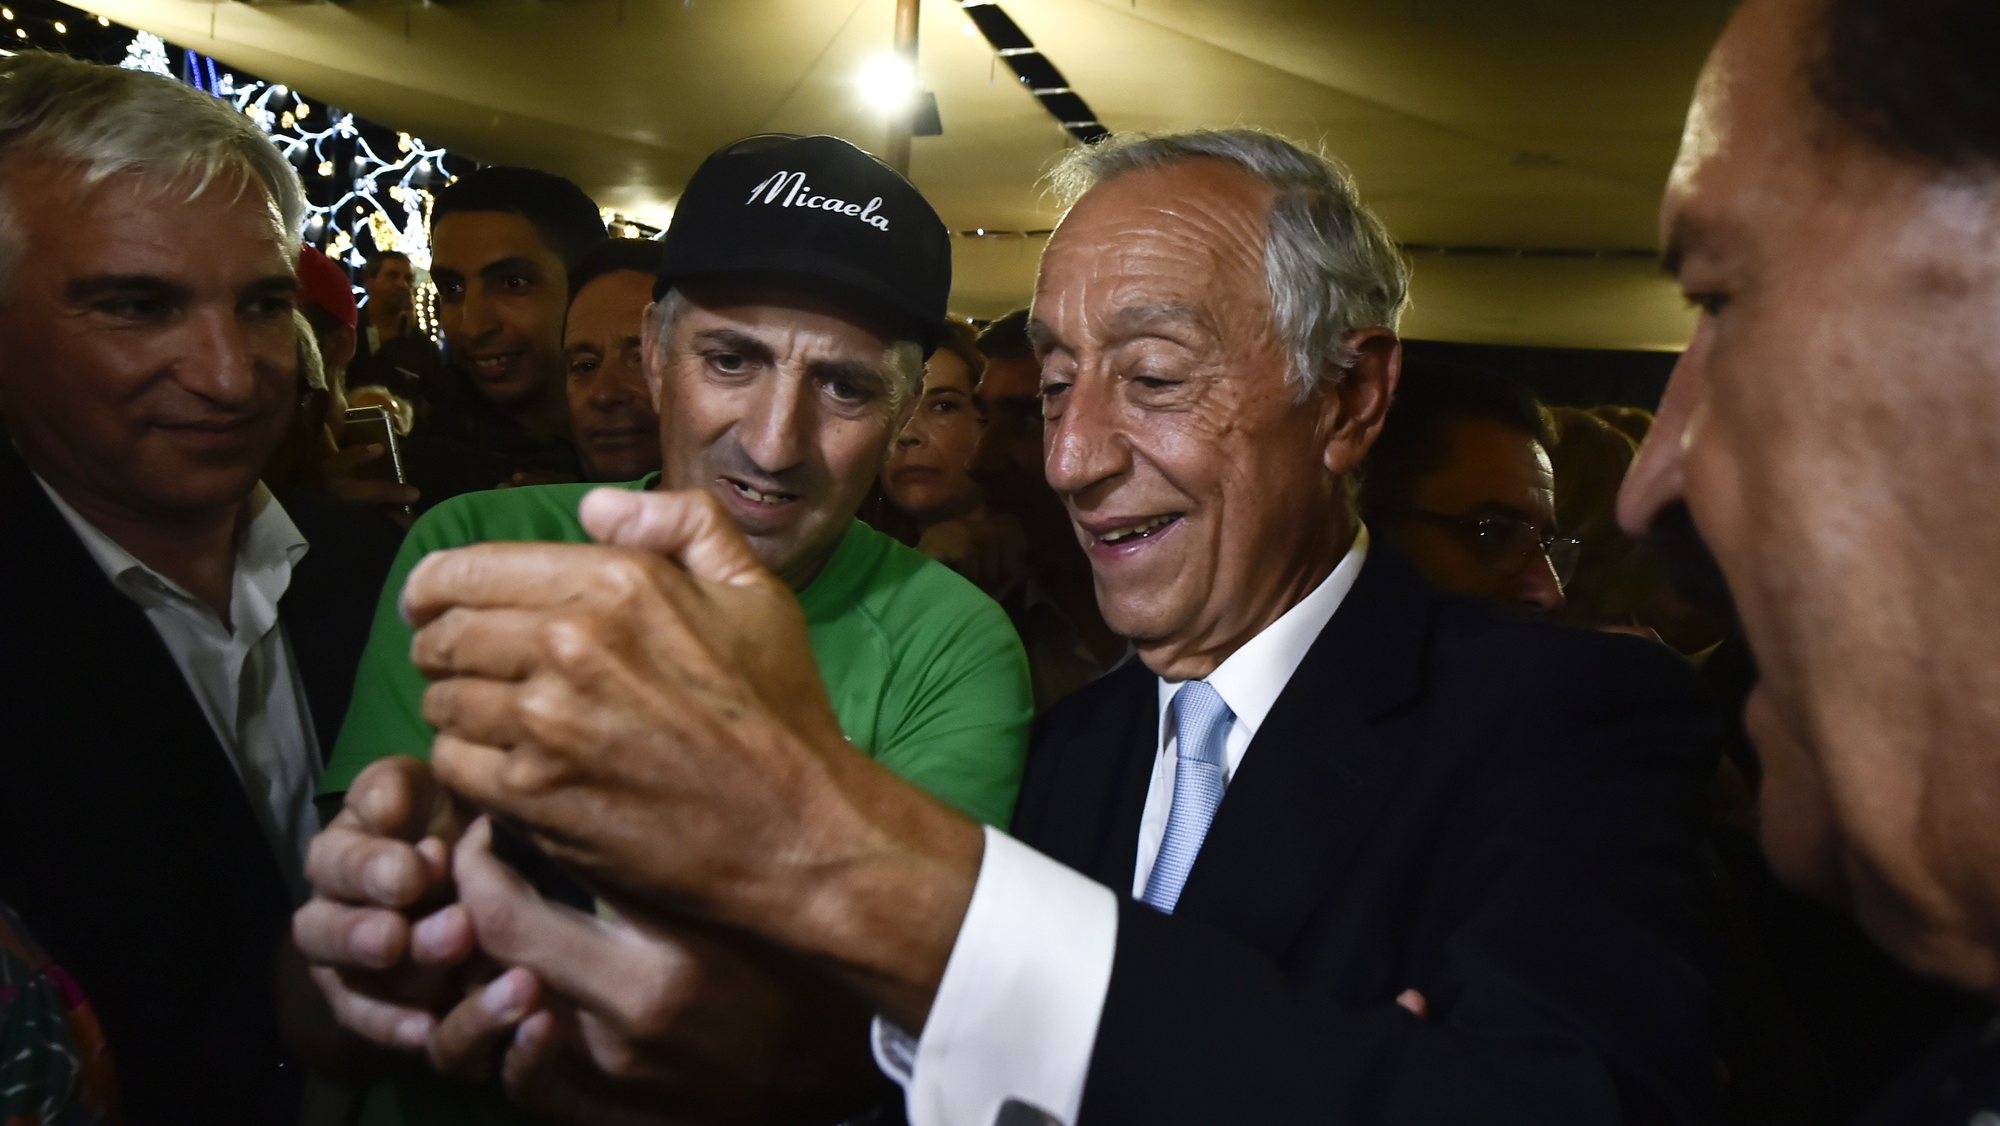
(176, 646)
(1336, 847)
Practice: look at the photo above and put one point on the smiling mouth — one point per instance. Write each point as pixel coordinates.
(758, 495)
(1143, 530)
(492, 367)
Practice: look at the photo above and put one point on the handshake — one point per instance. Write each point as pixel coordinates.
(647, 710)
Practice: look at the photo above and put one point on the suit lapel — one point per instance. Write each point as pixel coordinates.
(1313, 778)
(1101, 744)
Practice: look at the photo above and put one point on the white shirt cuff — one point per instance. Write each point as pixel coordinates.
(1016, 1014)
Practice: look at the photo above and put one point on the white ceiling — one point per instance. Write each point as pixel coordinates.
(1517, 145)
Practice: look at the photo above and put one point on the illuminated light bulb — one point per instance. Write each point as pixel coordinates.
(326, 167)
(61, 28)
(288, 121)
(7, 13)
(402, 142)
(102, 22)
(302, 111)
(281, 91)
(20, 33)
(631, 230)
(889, 83)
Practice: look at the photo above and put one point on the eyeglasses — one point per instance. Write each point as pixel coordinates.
(1506, 544)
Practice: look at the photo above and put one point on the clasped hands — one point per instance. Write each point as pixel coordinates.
(648, 709)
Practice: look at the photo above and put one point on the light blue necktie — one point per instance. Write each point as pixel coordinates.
(1201, 724)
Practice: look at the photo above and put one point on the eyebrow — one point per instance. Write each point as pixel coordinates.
(508, 267)
(96, 286)
(747, 345)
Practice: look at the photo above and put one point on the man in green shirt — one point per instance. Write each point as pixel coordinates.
(801, 286)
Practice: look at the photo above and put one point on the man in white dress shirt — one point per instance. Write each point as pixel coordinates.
(179, 666)
(1458, 871)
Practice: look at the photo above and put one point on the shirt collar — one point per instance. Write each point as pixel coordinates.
(267, 548)
(1251, 679)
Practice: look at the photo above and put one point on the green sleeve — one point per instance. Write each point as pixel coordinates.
(385, 715)
(957, 712)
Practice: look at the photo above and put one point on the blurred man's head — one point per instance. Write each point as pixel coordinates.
(801, 285)
(502, 240)
(611, 413)
(387, 279)
(1460, 480)
(1835, 214)
(148, 351)
(1010, 392)
(1203, 408)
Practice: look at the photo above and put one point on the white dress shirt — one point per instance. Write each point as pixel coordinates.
(242, 673)
(1016, 1014)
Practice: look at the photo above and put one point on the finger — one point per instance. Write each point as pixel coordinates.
(523, 575)
(379, 1021)
(481, 775)
(347, 864)
(470, 1037)
(401, 799)
(581, 957)
(495, 643)
(482, 711)
(443, 938)
(1415, 1002)
(688, 526)
(532, 1056)
(335, 934)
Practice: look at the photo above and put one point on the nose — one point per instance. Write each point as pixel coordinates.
(1657, 478)
(1083, 447)
(1540, 590)
(771, 431)
(221, 361)
(476, 313)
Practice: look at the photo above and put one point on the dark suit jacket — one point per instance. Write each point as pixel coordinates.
(127, 844)
(1504, 815)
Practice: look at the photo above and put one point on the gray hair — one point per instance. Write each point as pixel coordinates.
(1329, 262)
(108, 121)
(904, 361)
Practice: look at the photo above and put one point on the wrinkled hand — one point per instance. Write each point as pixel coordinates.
(637, 704)
(379, 933)
(342, 472)
(659, 726)
(612, 1019)
(992, 553)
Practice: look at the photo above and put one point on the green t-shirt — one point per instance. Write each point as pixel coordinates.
(924, 671)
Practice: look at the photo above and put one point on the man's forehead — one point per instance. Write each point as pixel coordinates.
(472, 239)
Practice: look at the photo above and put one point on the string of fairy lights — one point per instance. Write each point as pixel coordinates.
(364, 194)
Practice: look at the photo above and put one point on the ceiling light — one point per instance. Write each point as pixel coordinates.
(889, 83)
(61, 28)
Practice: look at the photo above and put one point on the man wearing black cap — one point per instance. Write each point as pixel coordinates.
(799, 291)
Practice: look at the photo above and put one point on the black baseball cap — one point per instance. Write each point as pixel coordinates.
(818, 214)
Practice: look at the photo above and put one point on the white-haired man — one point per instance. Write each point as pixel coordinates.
(1335, 848)
(176, 659)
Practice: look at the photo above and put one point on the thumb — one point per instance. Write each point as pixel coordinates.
(687, 526)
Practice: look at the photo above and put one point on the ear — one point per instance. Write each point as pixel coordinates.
(342, 352)
(1351, 417)
(650, 346)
